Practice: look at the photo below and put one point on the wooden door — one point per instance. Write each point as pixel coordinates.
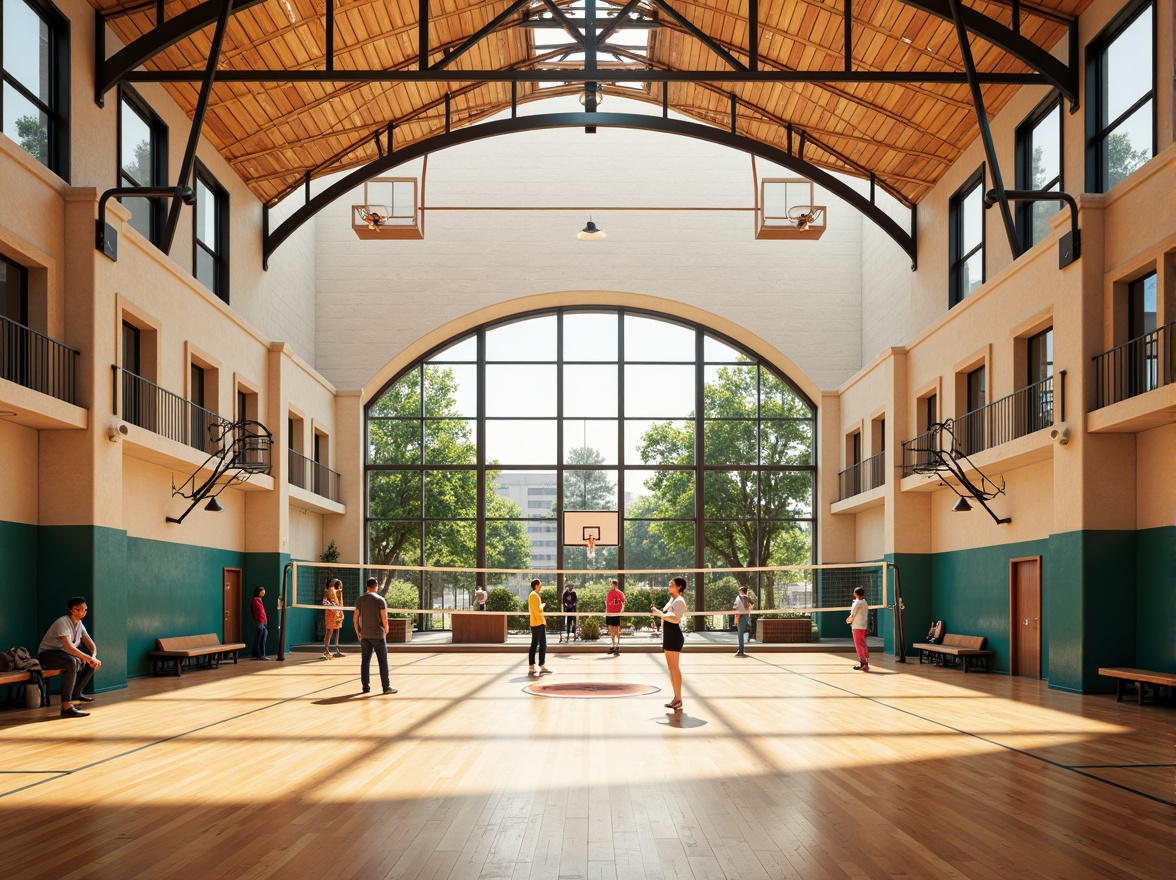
(1025, 616)
(232, 580)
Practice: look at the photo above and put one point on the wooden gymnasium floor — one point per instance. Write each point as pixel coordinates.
(781, 766)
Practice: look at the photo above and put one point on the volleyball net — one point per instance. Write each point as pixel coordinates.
(777, 591)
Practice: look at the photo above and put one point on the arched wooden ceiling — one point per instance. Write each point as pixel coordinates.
(305, 88)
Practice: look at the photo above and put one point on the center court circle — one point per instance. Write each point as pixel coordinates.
(590, 690)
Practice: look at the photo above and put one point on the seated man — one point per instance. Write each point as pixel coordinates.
(59, 650)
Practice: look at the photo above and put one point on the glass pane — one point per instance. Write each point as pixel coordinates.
(520, 441)
(394, 494)
(787, 442)
(136, 147)
(731, 495)
(520, 390)
(403, 399)
(451, 544)
(590, 442)
(394, 543)
(659, 494)
(518, 494)
(1129, 145)
(730, 392)
(450, 441)
(728, 544)
(532, 339)
(786, 494)
(714, 351)
(590, 390)
(650, 339)
(26, 48)
(451, 494)
(730, 442)
(465, 350)
(788, 543)
(1047, 149)
(972, 273)
(653, 442)
(659, 391)
(657, 545)
(777, 400)
(394, 442)
(1041, 212)
(590, 337)
(451, 390)
(590, 490)
(140, 215)
(972, 214)
(206, 268)
(26, 124)
(1128, 68)
(205, 215)
(519, 544)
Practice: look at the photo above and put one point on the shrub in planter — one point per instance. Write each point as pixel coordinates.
(590, 629)
(502, 599)
(401, 594)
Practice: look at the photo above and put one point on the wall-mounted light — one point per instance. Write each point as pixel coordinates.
(590, 232)
(962, 505)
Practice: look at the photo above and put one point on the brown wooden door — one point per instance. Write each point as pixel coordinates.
(232, 579)
(1025, 616)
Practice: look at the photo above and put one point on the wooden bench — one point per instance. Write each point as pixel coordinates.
(964, 648)
(1141, 678)
(178, 651)
(14, 677)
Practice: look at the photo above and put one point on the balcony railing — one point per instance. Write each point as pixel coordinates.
(1024, 411)
(147, 405)
(1135, 367)
(306, 473)
(863, 476)
(35, 361)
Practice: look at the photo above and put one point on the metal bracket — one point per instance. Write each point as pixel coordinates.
(106, 239)
(1070, 245)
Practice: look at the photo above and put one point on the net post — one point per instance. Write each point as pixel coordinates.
(899, 632)
(286, 572)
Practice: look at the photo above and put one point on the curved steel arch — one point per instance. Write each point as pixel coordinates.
(516, 125)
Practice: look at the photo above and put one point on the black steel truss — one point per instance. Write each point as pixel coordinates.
(274, 238)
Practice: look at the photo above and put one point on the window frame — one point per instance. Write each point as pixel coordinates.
(127, 96)
(57, 110)
(956, 258)
(1024, 169)
(220, 256)
(1096, 49)
(22, 285)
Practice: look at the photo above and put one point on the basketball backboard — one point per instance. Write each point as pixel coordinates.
(601, 525)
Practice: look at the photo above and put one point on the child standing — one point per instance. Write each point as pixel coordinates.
(859, 620)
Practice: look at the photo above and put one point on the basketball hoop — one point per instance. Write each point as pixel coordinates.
(591, 547)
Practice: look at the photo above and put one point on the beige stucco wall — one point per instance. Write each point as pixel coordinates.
(18, 490)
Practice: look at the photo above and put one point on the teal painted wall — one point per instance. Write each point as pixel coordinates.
(173, 590)
(1155, 578)
(87, 561)
(265, 570)
(19, 623)
(970, 593)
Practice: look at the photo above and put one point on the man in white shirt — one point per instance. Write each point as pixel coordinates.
(60, 649)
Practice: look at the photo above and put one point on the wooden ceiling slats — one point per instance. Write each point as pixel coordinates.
(906, 133)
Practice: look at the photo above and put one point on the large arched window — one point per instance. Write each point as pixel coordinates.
(474, 453)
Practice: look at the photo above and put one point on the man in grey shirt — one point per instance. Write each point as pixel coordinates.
(371, 628)
(60, 649)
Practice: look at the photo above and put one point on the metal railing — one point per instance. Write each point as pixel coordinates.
(1135, 367)
(35, 361)
(863, 476)
(306, 473)
(1024, 411)
(147, 405)
(916, 452)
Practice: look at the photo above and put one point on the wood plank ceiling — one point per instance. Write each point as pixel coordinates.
(907, 134)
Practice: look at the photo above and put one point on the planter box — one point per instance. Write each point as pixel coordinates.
(479, 627)
(784, 630)
(399, 630)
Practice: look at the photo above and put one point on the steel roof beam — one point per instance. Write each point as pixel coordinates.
(1061, 76)
(496, 128)
(109, 72)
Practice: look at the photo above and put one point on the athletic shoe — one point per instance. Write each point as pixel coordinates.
(338, 654)
(740, 654)
(72, 712)
(326, 656)
(866, 668)
(82, 698)
(389, 691)
(543, 670)
(367, 690)
(531, 670)
(859, 666)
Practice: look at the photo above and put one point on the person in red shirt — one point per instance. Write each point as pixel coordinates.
(259, 621)
(614, 604)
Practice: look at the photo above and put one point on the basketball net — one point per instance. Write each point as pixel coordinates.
(591, 547)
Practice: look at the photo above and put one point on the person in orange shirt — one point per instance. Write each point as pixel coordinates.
(614, 604)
